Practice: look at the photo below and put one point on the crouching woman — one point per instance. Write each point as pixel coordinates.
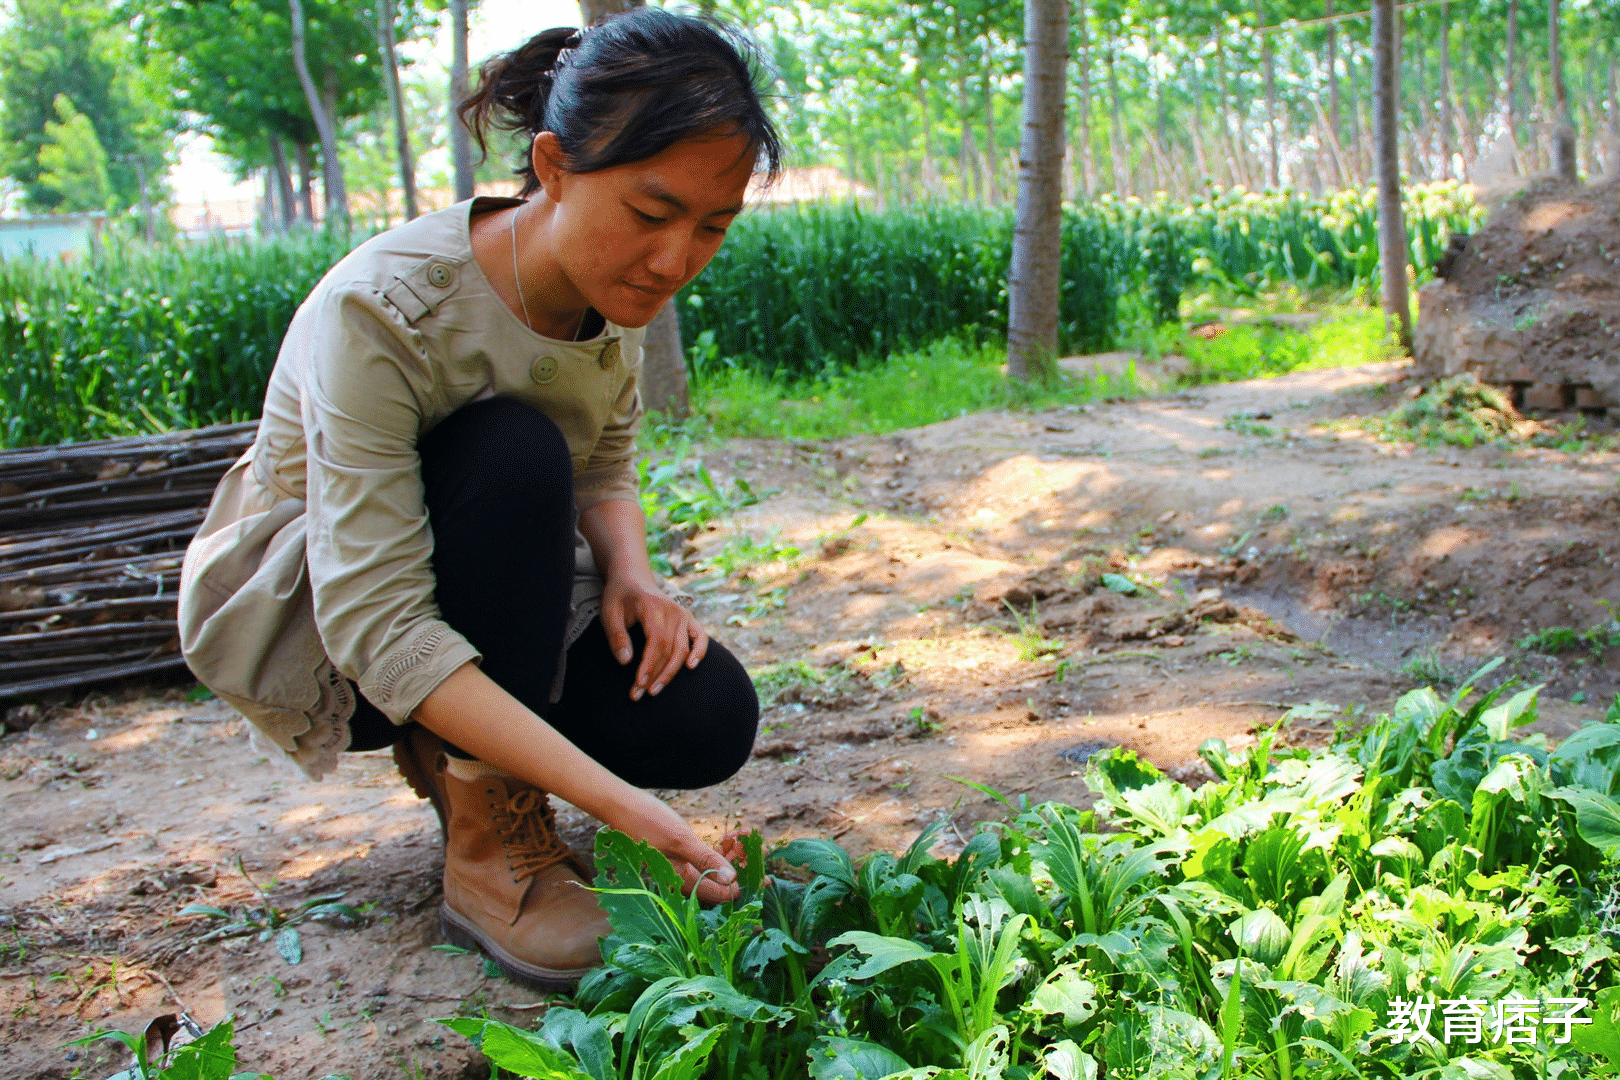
(436, 541)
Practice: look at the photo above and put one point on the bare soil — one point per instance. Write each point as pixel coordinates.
(1534, 299)
(1284, 558)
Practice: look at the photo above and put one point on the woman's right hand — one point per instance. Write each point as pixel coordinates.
(644, 816)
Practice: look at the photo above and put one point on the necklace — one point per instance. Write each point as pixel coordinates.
(517, 279)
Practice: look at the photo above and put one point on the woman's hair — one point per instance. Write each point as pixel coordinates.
(623, 90)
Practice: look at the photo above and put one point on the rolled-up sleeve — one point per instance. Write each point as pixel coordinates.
(610, 472)
(369, 542)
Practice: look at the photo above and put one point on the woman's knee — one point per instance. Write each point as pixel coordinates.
(719, 720)
(496, 446)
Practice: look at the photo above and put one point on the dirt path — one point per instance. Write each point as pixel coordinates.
(957, 632)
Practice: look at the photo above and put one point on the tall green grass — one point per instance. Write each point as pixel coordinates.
(143, 340)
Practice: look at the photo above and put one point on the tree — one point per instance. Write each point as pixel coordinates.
(337, 199)
(1563, 131)
(259, 113)
(1032, 286)
(396, 104)
(77, 50)
(72, 162)
(460, 139)
(1391, 222)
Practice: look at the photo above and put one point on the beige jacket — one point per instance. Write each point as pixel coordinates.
(312, 566)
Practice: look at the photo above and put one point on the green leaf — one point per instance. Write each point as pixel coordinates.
(1597, 817)
(1067, 994)
(688, 1061)
(882, 953)
(833, 1058)
(1519, 710)
(1601, 1038)
(211, 1057)
(820, 857)
(766, 949)
(1590, 758)
(527, 1054)
(1064, 1060)
(204, 909)
(1117, 583)
(587, 1038)
(290, 945)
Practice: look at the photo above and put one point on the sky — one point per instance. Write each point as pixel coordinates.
(203, 175)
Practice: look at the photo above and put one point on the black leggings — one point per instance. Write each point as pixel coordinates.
(499, 488)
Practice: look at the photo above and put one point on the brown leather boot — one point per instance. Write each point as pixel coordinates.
(420, 757)
(513, 888)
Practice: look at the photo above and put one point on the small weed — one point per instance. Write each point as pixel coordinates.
(1428, 669)
(1249, 424)
(1032, 646)
(921, 724)
(797, 681)
(1394, 603)
(268, 922)
(1459, 411)
(1552, 640)
(742, 552)
(1236, 655)
(1273, 514)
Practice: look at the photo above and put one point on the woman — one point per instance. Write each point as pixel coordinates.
(436, 542)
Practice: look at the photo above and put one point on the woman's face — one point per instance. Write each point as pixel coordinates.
(626, 238)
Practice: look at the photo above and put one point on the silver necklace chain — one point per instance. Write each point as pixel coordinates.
(517, 279)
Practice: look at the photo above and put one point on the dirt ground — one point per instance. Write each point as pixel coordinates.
(1282, 558)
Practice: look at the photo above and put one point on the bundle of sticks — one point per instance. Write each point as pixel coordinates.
(91, 539)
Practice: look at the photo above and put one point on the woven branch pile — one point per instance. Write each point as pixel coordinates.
(91, 539)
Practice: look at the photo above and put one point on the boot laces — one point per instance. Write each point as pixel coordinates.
(527, 825)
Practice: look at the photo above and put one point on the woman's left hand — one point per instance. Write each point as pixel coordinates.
(674, 636)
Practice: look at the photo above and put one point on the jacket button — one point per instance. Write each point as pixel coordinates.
(439, 275)
(544, 369)
(610, 355)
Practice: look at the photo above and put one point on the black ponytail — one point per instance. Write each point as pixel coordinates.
(627, 88)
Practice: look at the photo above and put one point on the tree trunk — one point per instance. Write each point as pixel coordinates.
(1116, 130)
(993, 183)
(284, 186)
(1448, 114)
(337, 201)
(1339, 175)
(1239, 174)
(1268, 61)
(1032, 284)
(967, 164)
(929, 168)
(1088, 169)
(592, 12)
(663, 366)
(306, 182)
(1563, 130)
(1391, 223)
(269, 217)
(396, 103)
(460, 140)
(1513, 82)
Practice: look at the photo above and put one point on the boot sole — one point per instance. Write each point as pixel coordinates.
(460, 932)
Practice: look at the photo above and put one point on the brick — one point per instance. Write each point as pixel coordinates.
(1544, 395)
(1588, 398)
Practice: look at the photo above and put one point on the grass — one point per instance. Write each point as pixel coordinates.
(1553, 640)
(954, 377)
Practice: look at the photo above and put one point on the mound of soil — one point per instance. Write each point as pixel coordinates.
(1533, 300)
